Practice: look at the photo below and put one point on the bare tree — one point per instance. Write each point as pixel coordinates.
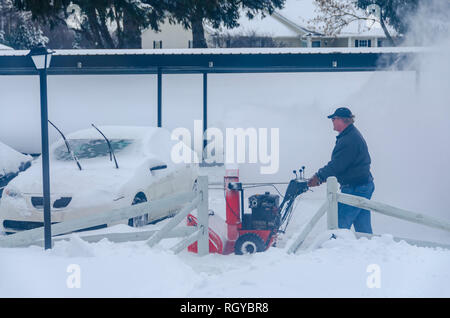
(334, 15)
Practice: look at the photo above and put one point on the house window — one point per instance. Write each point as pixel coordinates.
(379, 43)
(363, 43)
(157, 44)
(315, 43)
(190, 44)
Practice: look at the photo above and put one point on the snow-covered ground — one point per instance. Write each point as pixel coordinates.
(342, 267)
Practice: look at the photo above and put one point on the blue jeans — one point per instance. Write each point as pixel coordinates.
(348, 215)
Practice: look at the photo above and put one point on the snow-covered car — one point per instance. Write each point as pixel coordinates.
(12, 163)
(98, 170)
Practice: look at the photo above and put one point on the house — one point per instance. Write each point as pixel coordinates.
(299, 13)
(289, 27)
(171, 36)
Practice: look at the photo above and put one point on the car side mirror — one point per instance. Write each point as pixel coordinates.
(159, 167)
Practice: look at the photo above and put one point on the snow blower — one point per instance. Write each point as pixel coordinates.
(248, 233)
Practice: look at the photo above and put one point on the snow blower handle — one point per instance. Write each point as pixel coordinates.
(294, 189)
(301, 173)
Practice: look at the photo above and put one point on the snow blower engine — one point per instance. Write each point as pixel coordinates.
(258, 229)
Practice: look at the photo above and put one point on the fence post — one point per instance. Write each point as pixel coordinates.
(202, 214)
(332, 213)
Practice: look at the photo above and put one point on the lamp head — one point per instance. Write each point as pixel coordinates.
(41, 56)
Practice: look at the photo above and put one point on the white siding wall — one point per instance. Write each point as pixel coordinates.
(173, 36)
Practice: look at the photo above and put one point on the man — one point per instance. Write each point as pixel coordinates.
(350, 164)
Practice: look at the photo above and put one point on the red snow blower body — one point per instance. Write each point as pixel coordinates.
(248, 233)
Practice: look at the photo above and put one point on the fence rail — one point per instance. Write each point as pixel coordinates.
(156, 209)
(388, 210)
(122, 237)
(330, 207)
(308, 228)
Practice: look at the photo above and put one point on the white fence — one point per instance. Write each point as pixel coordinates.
(331, 208)
(199, 200)
(156, 209)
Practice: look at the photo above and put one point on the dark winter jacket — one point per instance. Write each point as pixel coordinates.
(350, 160)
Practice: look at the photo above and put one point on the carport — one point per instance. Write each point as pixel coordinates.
(209, 61)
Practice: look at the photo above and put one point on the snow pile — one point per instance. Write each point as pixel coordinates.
(342, 267)
(106, 270)
(10, 159)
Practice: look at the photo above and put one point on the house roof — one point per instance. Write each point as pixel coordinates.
(293, 20)
(267, 26)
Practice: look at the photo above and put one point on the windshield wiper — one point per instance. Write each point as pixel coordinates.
(67, 145)
(111, 152)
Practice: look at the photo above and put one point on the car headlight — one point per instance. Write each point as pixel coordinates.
(13, 193)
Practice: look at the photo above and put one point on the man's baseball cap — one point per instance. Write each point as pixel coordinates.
(342, 112)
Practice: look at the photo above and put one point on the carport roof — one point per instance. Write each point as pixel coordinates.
(234, 60)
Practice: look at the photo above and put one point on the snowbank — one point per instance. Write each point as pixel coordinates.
(340, 268)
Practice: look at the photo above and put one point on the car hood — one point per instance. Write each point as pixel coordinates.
(67, 179)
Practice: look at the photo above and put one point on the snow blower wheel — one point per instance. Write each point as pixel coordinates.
(248, 243)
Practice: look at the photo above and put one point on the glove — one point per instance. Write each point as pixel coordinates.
(314, 181)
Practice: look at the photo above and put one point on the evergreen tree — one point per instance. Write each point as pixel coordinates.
(17, 30)
(119, 23)
(193, 13)
(100, 23)
(25, 36)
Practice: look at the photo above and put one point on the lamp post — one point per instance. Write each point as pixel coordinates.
(41, 57)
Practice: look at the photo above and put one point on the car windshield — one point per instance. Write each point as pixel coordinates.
(90, 148)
